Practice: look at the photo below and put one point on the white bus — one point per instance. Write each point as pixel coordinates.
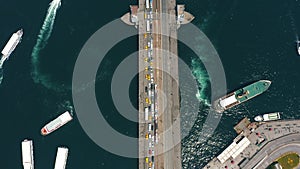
(147, 4)
(146, 113)
(148, 26)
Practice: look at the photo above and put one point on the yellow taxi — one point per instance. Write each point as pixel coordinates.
(147, 76)
(146, 159)
(148, 101)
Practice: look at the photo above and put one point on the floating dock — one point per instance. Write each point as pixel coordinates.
(61, 158)
(27, 154)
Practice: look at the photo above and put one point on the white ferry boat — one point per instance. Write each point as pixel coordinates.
(56, 123)
(268, 117)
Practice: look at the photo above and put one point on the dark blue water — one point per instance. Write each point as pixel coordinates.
(26, 106)
(255, 40)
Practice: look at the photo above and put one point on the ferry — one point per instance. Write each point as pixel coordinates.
(10, 46)
(239, 96)
(61, 158)
(268, 117)
(27, 154)
(56, 123)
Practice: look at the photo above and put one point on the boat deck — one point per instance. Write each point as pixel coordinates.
(252, 90)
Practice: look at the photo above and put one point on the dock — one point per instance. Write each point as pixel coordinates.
(259, 144)
(159, 116)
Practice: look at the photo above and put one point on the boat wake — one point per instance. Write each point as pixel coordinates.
(202, 78)
(292, 19)
(66, 105)
(1, 74)
(41, 42)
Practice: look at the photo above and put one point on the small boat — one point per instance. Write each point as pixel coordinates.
(268, 117)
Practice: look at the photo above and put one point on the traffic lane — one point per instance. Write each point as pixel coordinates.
(269, 148)
(279, 152)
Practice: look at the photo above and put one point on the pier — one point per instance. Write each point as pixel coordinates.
(159, 116)
(259, 144)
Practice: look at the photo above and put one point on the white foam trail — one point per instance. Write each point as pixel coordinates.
(2, 60)
(203, 80)
(293, 23)
(1, 75)
(41, 42)
(1, 68)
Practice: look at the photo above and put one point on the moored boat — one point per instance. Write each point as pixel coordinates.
(268, 117)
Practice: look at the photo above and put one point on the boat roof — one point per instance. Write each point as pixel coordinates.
(8, 47)
(62, 119)
(65, 116)
(254, 89)
(26, 151)
(227, 101)
(271, 116)
(61, 158)
(258, 118)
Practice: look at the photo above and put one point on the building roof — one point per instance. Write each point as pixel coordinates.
(233, 150)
